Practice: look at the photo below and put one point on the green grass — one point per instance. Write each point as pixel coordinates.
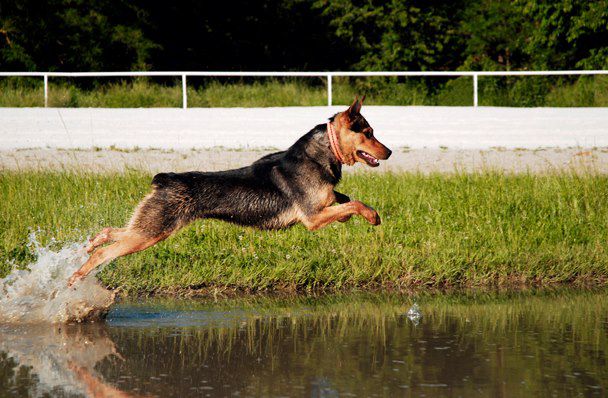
(141, 92)
(438, 230)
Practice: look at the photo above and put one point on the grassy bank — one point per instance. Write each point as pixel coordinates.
(438, 230)
(493, 91)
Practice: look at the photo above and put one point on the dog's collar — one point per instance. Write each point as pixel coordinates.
(333, 142)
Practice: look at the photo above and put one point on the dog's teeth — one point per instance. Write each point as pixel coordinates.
(369, 158)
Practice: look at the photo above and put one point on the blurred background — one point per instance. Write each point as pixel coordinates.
(300, 35)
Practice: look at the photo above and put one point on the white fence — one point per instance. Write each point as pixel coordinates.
(328, 75)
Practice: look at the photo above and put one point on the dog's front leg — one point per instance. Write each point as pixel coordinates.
(341, 198)
(334, 213)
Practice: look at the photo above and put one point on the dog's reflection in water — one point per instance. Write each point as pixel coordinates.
(95, 386)
(58, 360)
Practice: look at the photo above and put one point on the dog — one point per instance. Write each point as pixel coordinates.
(277, 191)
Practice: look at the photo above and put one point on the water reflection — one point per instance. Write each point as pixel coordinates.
(39, 360)
(490, 344)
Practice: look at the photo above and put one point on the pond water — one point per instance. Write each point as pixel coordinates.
(468, 344)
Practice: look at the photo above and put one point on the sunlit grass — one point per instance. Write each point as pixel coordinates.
(142, 93)
(439, 230)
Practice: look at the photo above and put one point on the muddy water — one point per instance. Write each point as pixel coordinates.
(533, 343)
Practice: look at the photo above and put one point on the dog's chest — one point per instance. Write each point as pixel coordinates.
(323, 196)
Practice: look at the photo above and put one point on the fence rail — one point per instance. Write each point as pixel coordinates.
(328, 75)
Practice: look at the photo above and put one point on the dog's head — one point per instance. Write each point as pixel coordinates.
(356, 137)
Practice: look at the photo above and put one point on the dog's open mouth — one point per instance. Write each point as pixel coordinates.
(369, 159)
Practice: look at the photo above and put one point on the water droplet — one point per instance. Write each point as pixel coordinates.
(414, 314)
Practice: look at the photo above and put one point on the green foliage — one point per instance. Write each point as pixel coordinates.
(320, 34)
(586, 90)
(495, 34)
(72, 35)
(482, 35)
(493, 91)
(397, 35)
(567, 34)
(258, 94)
(143, 93)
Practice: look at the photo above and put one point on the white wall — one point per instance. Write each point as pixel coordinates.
(454, 127)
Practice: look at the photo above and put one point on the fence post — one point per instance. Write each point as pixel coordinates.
(475, 90)
(329, 90)
(46, 91)
(184, 93)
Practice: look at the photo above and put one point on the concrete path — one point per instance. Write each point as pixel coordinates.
(425, 160)
(414, 127)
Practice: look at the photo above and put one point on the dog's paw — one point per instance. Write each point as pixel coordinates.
(373, 217)
(368, 213)
(76, 276)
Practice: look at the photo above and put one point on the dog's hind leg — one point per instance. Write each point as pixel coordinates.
(158, 215)
(106, 235)
(130, 241)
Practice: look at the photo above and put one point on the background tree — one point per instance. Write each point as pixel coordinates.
(98, 35)
(302, 34)
(72, 35)
(398, 35)
(495, 35)
(567, 34)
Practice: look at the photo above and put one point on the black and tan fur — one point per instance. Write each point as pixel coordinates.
(277, 191)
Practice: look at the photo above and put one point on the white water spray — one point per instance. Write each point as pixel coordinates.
(414, 314)
(40, 294)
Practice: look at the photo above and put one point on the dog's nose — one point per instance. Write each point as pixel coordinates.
(388, 153)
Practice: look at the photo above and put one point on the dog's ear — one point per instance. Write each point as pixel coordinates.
(355, 108)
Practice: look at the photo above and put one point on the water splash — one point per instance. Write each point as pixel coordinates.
(414, 314)
(40, 294)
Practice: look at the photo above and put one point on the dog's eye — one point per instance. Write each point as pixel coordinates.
(368, 134)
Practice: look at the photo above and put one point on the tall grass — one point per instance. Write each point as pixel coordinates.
(438, 230)
(141, 92)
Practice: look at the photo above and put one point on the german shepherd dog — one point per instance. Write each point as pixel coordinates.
(277, 191)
